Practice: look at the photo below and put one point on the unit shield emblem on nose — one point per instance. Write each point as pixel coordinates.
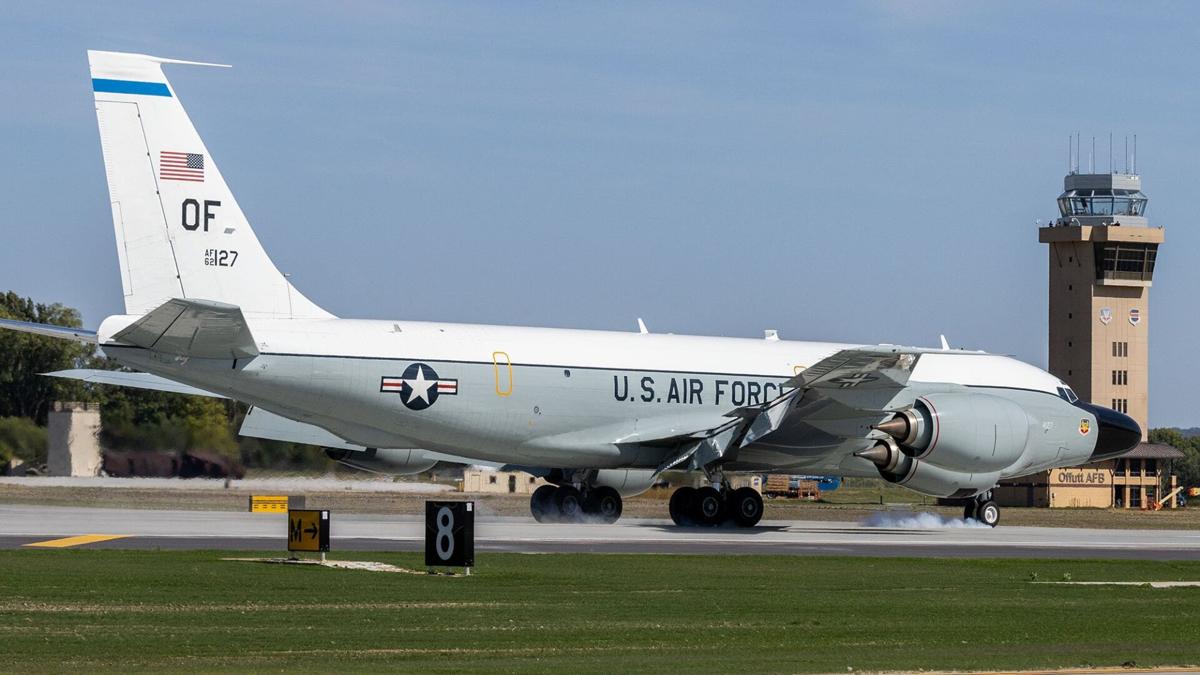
(419, 387)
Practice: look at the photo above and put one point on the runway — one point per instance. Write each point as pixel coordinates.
(898, 536)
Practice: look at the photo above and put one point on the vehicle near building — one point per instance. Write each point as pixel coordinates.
(799, 486)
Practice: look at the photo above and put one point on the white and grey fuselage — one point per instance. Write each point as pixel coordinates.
(539, 397)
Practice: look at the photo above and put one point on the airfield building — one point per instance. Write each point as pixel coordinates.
(1102, 256)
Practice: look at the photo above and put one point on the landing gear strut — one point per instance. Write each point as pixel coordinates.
(567, 504)
(984, 509)
(708, 506)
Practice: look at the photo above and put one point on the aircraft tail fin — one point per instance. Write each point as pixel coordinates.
(180, 232)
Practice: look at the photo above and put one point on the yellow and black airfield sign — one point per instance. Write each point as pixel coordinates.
(275, 503)
(308, 530)
(268, 504)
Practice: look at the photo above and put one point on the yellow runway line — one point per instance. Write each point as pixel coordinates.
(76, 541)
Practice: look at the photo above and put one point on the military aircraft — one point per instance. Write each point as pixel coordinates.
(600, 415)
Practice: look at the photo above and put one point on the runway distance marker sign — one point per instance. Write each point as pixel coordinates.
(450, 534)
(308, 530)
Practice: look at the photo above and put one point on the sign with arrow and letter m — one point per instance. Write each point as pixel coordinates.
(308, 530)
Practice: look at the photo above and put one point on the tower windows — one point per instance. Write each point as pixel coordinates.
(1121, 405)
(1120, 378)
(1125, 260)
(1120, 349)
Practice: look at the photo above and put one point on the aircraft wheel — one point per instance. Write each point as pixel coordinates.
(746, 506)
(604, 502)
(541, 504)
(681, 506)
(569, 503)
(989, 513)
(708, 507)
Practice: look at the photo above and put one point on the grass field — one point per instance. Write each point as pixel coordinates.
(108, 610)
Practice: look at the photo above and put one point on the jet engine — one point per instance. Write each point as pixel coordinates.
(400, 462)
(961, 432)
(896, 466)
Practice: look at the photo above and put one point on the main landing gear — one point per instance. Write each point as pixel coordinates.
(567, 504)
(708, 506)
(983, 509)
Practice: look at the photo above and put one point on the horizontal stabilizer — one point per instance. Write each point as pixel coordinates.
(48, 330)
(133, 380)
(200, 329)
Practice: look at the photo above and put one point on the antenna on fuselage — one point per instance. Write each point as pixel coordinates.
(642, 326)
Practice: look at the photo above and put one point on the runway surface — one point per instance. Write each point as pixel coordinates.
(896, 535)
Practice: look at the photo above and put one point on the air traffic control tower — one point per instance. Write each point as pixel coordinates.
(1102, 253)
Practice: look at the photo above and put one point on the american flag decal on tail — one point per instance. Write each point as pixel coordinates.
(187, 166)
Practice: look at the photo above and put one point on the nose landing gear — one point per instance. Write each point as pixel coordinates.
(983, 509)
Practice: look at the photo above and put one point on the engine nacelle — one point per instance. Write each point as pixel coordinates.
(938, 482)
(971, 433)
(897, 467)
(627, 482)
(399, 462)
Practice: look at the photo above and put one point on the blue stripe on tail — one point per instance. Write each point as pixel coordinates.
(130, 87)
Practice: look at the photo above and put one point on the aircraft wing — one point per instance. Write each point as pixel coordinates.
(836, 399)
(195, 328)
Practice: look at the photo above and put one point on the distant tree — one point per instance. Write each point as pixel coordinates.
(21, 438)
(141, 419)
(24, 392)
(1187, 467)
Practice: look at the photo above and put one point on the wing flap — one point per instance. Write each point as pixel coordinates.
(837, 398)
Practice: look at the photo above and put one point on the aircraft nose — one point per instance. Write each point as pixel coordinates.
(1118, 432)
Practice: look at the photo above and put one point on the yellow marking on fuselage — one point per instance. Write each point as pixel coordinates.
(80, 540)
(497, 361)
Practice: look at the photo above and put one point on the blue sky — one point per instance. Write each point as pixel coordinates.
(861, 172)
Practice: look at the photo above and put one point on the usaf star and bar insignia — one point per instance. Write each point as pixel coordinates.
(419, 387)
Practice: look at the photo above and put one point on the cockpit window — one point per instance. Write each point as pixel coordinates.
(1067, 394)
